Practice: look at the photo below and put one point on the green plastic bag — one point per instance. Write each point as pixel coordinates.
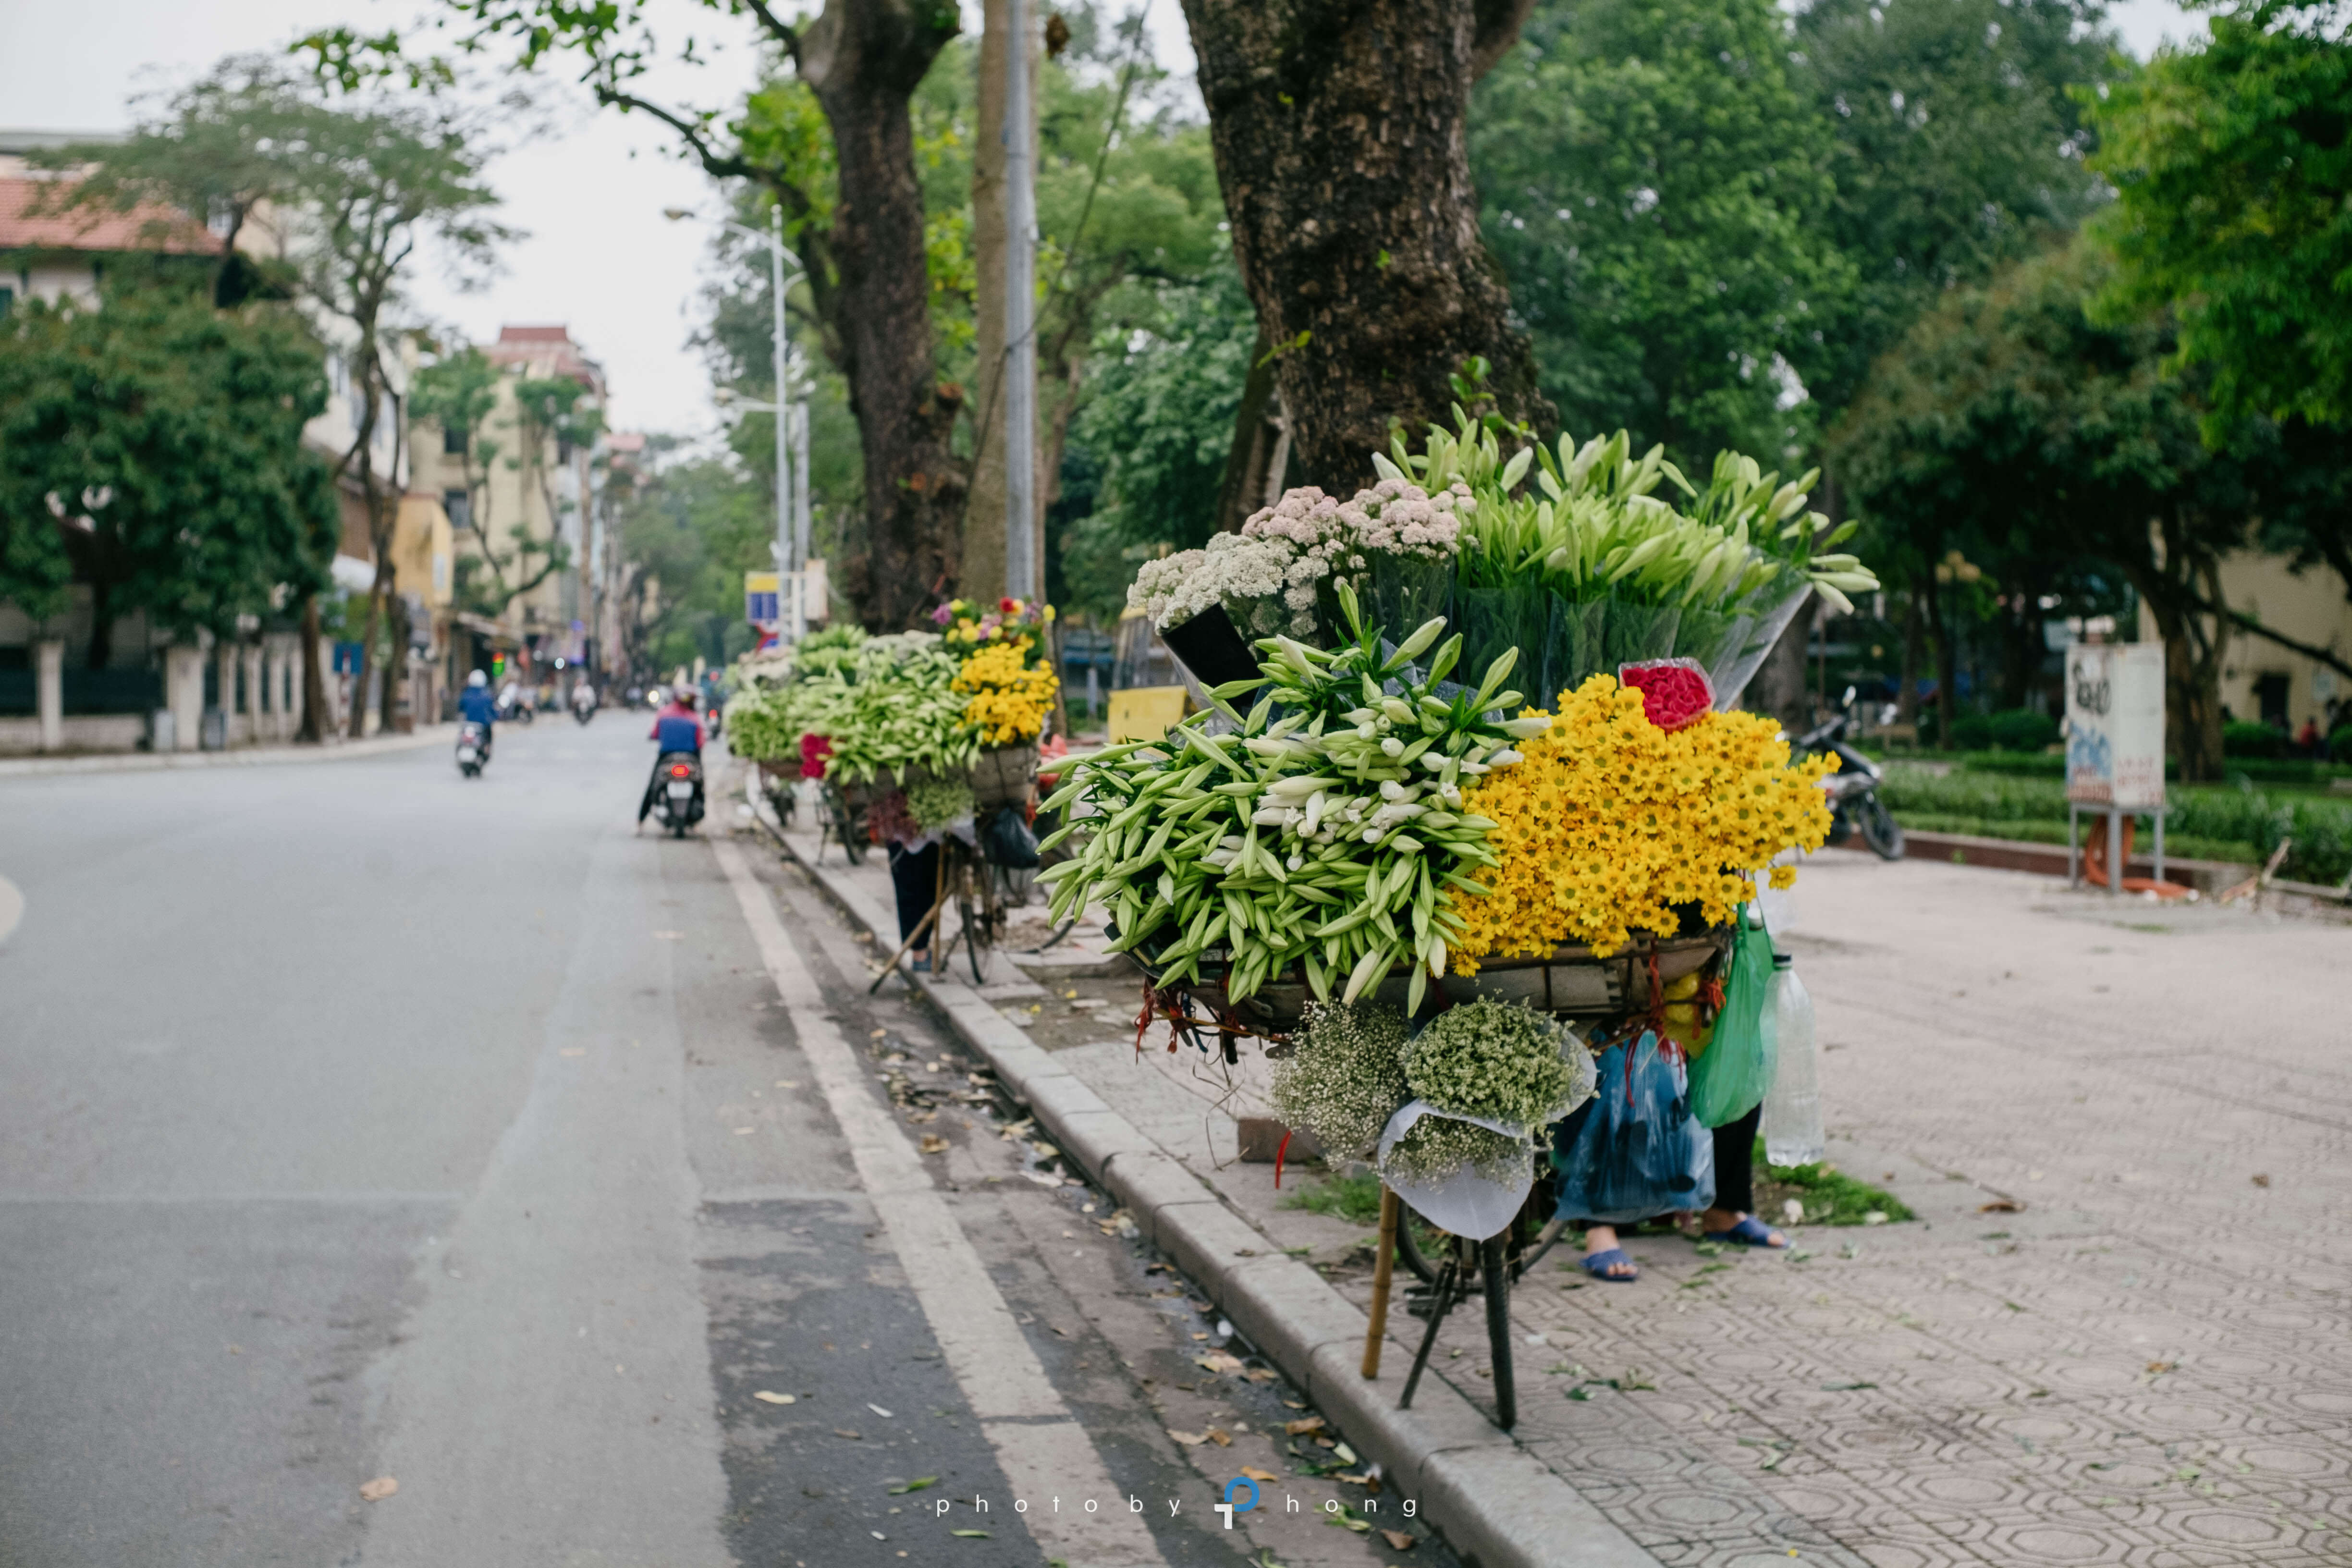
(1731, 1077)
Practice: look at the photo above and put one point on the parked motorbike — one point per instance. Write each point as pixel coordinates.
(473, 749)
(677, 792)
(1852, 790)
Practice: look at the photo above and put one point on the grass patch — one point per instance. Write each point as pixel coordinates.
(1356, 1199)
(1828, 1194)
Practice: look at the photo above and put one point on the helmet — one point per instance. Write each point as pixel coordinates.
(477, 679)
(686, 697)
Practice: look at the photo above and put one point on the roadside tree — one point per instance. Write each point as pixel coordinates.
(152, 449)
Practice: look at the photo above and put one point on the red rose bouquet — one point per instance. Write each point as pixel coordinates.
(1675, 691)
(814, 750)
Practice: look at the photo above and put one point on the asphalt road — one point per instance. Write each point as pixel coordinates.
(358, 1120)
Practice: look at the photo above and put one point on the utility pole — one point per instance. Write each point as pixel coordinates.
(1021, 564)
(786, 563)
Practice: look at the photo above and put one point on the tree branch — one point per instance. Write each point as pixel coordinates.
(718, 167)
(2249, 623)
(781, 31)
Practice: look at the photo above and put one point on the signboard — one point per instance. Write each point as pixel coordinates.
(761, 598)
(2115, 725)
(1146, 712)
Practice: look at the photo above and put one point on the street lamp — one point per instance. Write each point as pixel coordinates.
(792, 480)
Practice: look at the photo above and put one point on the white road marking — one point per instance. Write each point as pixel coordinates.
(1044, 1452)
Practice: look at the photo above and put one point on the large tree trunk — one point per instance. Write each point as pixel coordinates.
(864, 62)
(1915, 640)
(314, 676)
(1338, 131)
(1243, 490)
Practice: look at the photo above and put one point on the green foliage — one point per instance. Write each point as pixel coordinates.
(2011, 730)
(151, 447)
(2321, 829)
(1657, 187)
(1356, 1199)
(2242, 738)
(1957, 148)
(1155, 429)
(2233, 169)
(689, 528)
(1828, 1194)
(936, 802)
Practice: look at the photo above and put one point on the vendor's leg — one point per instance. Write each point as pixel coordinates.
(1600, 1241)
(915, 878)
(1735, 1187)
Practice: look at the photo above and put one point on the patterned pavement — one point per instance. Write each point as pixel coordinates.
(2147, 1363)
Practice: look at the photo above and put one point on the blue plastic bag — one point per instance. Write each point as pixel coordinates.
(1634, 1152)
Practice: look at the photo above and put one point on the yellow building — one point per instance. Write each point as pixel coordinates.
(2264, 681)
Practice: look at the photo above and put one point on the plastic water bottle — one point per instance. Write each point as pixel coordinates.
(1792, 1107)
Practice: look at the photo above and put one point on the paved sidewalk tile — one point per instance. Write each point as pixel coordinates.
(2145, 1361)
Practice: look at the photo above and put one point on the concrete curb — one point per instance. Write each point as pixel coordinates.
(249, 757)
(1496, 1504)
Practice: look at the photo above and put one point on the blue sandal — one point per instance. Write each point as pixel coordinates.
(1599, 1263)
(1750, 1232)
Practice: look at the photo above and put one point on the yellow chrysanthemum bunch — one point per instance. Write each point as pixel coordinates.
(1610, 820)
(1009, 697)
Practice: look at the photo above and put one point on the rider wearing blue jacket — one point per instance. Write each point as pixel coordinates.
(475, 704)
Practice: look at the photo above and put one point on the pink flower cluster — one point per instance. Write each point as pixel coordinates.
(1392, 518)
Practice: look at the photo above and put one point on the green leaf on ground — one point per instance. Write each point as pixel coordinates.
(972, 1534)
(1356, 1199)
(1830, 1196)
(918, 1484)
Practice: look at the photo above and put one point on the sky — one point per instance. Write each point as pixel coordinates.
(600, 256)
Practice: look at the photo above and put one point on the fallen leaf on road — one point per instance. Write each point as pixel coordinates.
(1344, 1522)
(1221, 1438)
(766, 1396)
(876, 1034)
(918, 1484)
(2261, 1181)
(1261, 1374)
(1217, 1360)
(971, 1534)
(934, 1144)
(844, 1431)
(1846, 1387)
(1300, 1428)
(2162, 1365)
(1190, 1439)
(572, 1051)
(879, 1411)
(378, 1489)
(2001, 1206)
(743, 1131)
(1253, 1473)
(1043, 1178)
(1399, 1541)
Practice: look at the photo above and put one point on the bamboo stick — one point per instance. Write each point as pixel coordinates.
(1383, 1268)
